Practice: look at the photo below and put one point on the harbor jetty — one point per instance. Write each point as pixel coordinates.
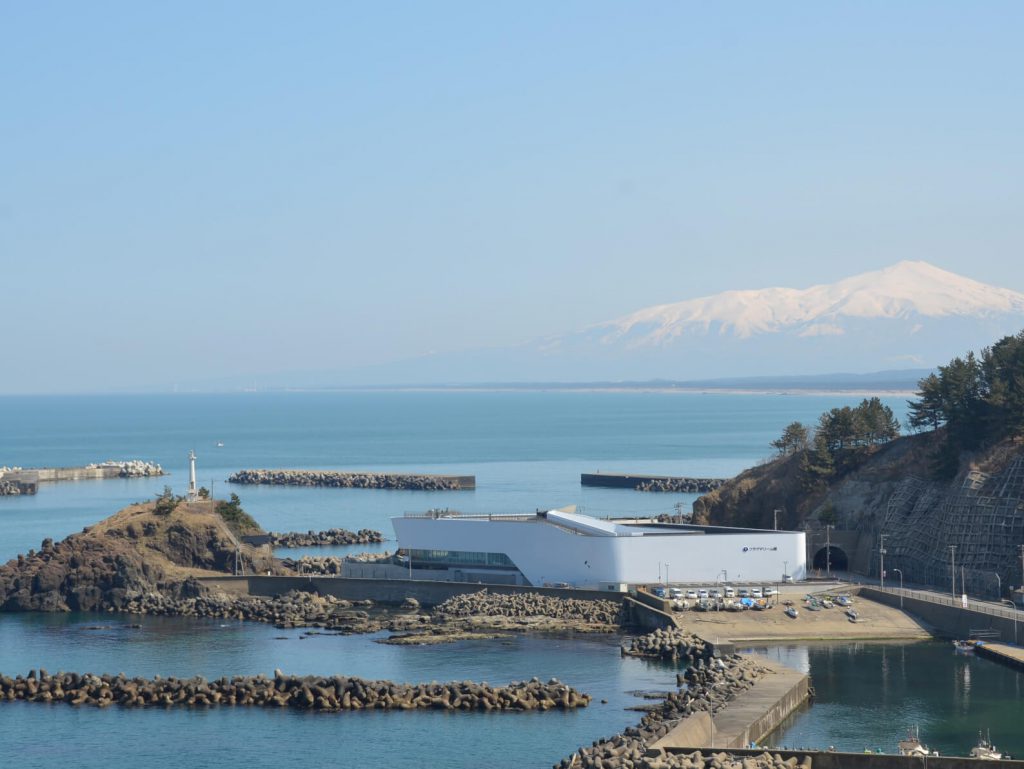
(667, 483)
(334, 694)
(15, 481)
(354, 480)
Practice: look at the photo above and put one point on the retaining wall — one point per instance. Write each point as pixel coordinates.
(388, 591)
(949, 621)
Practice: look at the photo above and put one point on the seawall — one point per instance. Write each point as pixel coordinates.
(651, 482)
(947, 619)
(387, 591)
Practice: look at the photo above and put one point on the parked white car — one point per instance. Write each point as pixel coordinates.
(730, 592)
(744, 592)
(692, 594)
(675, 592)
(702, 593)
(755, 592)
(768, 592)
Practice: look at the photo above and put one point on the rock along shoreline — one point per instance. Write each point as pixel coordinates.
(353, 480)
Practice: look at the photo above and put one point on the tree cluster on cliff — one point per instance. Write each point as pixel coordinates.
(975, 400)
(840, 440)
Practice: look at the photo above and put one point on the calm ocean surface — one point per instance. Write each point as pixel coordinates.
(527, 451)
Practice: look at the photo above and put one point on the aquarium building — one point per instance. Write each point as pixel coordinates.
(565, 548)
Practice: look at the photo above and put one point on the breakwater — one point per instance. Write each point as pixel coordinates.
(354, 480)
(331, 537)
(329, 694)
(707, 686)
(652, 482)
(15, 481)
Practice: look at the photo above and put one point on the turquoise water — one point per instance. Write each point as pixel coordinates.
(870, 694)
(526, 449)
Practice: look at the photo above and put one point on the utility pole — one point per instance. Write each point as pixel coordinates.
(963, 589)
(828, 551)
(881, 560)
(952, 568)
(901, 586)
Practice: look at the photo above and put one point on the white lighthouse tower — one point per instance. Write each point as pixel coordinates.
(193, 492)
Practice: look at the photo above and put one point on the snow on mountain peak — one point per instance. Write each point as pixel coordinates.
(903, 290)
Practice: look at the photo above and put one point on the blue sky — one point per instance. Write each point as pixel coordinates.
(234, 187)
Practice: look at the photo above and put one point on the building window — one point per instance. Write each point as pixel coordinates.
(461, 558)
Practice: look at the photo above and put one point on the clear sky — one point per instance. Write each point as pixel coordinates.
(197, 190)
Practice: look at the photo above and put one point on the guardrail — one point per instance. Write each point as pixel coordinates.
(957, 603)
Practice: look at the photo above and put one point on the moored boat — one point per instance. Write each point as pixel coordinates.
(963, 647)
(911, 746)
(985, 750)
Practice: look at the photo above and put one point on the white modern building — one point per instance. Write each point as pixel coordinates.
(560, 547)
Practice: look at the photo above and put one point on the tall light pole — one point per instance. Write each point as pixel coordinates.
(785, 570)
(952, 569)
(900, 571)
(1014, 607)
(667, 580)
(999, 583)
(828, 550)
(881, 560)
(778, 510)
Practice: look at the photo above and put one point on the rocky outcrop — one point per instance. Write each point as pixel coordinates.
(707, 685)
(343, 480)
(320, 693)
(331, 537)
(135, 552)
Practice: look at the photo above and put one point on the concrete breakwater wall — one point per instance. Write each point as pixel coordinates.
(354, 480)
(950, 620)
(16, 480)
(652, 482)
(330, 694)
(324, 538)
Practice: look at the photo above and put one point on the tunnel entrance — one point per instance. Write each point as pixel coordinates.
(833, 554)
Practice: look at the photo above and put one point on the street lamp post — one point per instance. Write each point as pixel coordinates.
(778, 510)
(1014, 607)
(828, 550)
(900, 572)
(667, 582)
(952, 569)
(999, 584)
(785, 570)
(881, 560)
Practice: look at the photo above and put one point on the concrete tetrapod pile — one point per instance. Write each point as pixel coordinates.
(671, 644)
(707, 685)
(325, 538)
(485, 603)
(340, 480)
(331, 694)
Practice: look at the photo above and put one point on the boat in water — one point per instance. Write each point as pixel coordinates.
(986, 751)
(911, 746)
(963, 647)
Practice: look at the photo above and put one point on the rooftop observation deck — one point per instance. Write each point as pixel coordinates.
(585, 525)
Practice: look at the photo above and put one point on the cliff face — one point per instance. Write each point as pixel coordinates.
(135, 551)
(893, 493)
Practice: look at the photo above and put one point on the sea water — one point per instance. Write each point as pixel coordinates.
(527, 450)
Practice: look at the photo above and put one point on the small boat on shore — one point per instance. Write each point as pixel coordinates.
(911, 746)
(986, 751)
(791, 612)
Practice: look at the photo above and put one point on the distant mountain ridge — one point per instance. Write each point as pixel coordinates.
(911, 315)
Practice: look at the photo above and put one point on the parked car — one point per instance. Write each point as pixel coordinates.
(744, 592)
(714, 593)
(659, 591)
(730, 592)
(768, 592)
(787, 578)
(702, 593)
(675, 592)
(755, 592)
(691, 594)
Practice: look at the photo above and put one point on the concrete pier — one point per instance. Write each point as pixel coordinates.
(1000, 652)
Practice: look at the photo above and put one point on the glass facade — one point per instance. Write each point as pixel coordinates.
(461, 558)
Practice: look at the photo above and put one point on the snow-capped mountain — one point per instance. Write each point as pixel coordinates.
(906, 291)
